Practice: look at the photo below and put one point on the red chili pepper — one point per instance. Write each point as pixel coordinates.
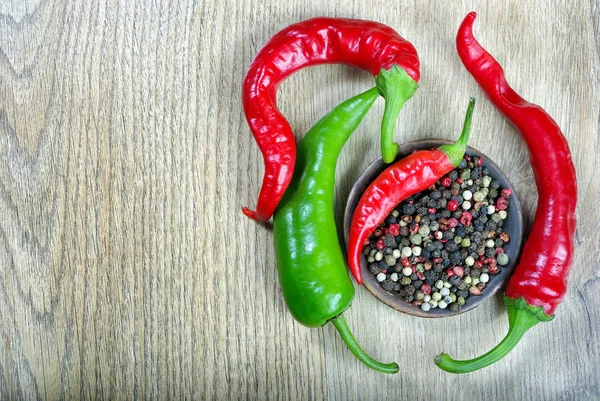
(406, 177)
(539, 281)
(368, 45)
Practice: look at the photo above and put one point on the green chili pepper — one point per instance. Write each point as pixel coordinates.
(311, 267)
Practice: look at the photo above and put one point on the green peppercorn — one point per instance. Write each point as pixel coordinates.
(416, 239)
(502, 259)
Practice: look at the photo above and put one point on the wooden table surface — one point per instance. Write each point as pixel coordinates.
(127, 270)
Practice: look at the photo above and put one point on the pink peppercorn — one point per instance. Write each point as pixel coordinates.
(459, 271)
(405, 262)
(452, 205)
(426, 289)
(449, 273)
(431, 210)
(453, 222)
(446, 181)
(380, 245)
(466, 219)
(501, 204)
(394, 229)
(506, 192)
(474, 291)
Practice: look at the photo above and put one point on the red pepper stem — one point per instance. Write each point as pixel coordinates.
(342, 327)
(396, 87)
(456, 151)
(521, 317)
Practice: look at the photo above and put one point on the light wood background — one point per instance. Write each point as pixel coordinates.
(127, 270)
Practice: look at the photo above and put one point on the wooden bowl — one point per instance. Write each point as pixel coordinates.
(513, 225)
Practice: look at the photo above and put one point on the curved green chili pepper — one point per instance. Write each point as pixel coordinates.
(311, 267)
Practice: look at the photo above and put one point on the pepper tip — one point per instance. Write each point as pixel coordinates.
(251, 213)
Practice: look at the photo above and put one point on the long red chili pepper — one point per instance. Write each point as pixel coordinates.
(368, 45)
(539, 282)
(402, 179)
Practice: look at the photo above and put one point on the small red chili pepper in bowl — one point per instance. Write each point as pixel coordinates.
(408, 176)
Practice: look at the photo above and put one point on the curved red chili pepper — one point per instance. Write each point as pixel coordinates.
(539, 282)
(368, 45)
(406, 177)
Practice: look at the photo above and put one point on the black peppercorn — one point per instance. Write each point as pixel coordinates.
(408, 209)
(455, 257)
(389, 240)
(374, 268)
(447, 235)
(491, 225)
(451, 246)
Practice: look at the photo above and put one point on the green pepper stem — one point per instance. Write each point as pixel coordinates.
(342, 327)
(521, 317)
(456, 151)
(396, 87)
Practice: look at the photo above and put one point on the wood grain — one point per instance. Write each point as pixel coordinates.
(126, 268)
